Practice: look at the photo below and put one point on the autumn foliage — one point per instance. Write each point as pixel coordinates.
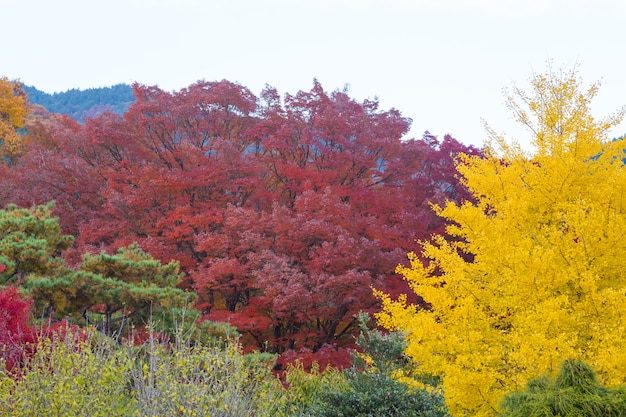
(16, 333)
(19, 336)
(282, 212)
(535, 275)
(13, 109)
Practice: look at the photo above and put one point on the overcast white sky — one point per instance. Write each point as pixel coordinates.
(443, 63)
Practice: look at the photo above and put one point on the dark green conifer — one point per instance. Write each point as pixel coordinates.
(574, 392)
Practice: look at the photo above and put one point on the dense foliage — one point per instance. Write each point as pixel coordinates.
(31, 243)
(575, 391)
(110, 291)
(16, 333)
(113, 291)
(82, 374)
(379, 383)
(536, 274)
(281, 212)
(82, 104)
(276, 216)
(13, 110)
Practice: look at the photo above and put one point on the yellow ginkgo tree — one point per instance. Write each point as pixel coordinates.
(536, 270)
(13, 110)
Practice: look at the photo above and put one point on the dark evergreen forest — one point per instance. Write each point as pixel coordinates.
(82, 104)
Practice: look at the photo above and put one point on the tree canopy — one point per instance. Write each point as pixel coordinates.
(31, 242)
(13, 110)
(535, 274)
(122, 289)
(281, 211)
(113, 292)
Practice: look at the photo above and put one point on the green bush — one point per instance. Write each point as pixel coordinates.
(372, 394)
(377, 384)
(575, 392)
(304, 388)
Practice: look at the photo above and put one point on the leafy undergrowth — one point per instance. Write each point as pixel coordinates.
(85, 373)
(88, 374)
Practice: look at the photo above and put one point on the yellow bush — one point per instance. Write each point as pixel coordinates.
(70, 376)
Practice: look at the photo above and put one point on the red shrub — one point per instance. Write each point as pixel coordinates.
(16, 335)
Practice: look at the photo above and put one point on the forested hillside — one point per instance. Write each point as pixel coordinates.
(81, 104)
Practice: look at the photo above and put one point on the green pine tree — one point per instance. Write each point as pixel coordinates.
(31, 242)
(114, 292)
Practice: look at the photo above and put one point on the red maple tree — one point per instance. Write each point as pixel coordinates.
(283, 212)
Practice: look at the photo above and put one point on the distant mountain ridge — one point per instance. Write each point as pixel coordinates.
(82, 104)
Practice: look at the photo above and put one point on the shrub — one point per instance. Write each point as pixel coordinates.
(198, 380)
(89, 374)
(575, 392)
(306, 385)
(16, 335)
(379, 384)
(70, 375)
